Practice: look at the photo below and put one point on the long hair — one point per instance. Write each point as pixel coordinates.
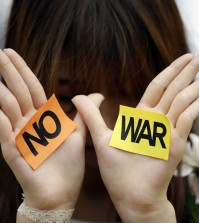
(125, 42)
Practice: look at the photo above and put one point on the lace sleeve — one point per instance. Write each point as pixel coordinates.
(5, 7)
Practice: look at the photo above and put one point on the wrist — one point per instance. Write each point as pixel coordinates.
(45, 202)
(154, 213)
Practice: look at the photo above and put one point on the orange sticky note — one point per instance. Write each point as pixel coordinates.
(44, 133)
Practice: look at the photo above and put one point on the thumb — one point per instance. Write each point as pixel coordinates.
(88, 107)
(81, 127)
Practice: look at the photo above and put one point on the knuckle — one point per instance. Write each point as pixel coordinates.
(187, 118)
(175, 86)
(90, 110)
(20, 64)
(36, 86)
(194, 64)
(183, 97)
(5, 63)
(19, 82)
(3, 121)
(21, 67)
(8, 100)
(158, 83)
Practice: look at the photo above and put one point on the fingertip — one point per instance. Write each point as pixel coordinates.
(11, 54)
(8, 51)
(96, 98)
(99, 95)
(187, 56)
(78, 100)
(182, 61)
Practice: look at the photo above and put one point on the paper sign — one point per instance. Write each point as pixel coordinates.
(142, 132)
(44, 132)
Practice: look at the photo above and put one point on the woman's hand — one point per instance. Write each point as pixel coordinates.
(57, 182)
(138, 184)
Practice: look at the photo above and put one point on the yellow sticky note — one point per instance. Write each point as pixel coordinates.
(142, 132)
(44, 132)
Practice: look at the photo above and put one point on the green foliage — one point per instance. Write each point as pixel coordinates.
(191, 208)
(197, 172)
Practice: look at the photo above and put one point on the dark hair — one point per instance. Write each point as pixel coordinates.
(128, 42)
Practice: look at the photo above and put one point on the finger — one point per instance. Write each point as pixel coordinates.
(182, 101)
(96, 98)
(186, 119)
(15, 83)
(9, 105)
(78, 119)
(88, 107)
(158, 85)
(6, 128)
(36, 90)
(185, 77)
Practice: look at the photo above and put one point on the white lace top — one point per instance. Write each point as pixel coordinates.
(78, 221)
(189, 11)
(5, 6)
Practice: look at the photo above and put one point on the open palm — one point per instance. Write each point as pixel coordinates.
(137, 182)
(62, 173)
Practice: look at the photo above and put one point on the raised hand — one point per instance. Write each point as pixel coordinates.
(57, 182)
(138, 184)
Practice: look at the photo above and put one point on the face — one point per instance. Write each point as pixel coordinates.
(109, 108)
